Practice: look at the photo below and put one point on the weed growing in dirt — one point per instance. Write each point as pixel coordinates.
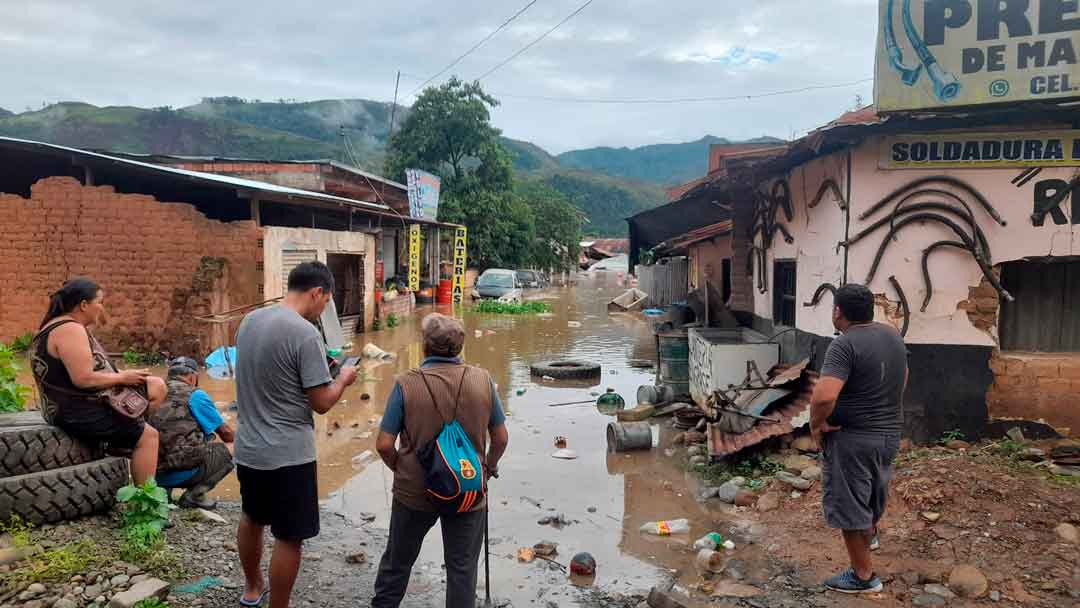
(753, 468)
(134, 357)
(511, 308)
(55, 565)
(152, 603)
(161, 561)
(948, 436)
(146, 511)
(13, 396)
(19, 529)
(1008, 448)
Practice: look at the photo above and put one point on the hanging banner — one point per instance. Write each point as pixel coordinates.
(414, 257)
(976, 150)
(423, 194)
(955, 53)
(460, 243)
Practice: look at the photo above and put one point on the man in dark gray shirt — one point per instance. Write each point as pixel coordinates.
(282, 379)
(856, 416)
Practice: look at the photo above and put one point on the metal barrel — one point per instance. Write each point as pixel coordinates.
(674, 369)
(655, 394)
(629, 436)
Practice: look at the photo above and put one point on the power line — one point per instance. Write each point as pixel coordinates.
(476, 46)
(682, 99)
(535, 42)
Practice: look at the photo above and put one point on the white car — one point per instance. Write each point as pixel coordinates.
(498, 284)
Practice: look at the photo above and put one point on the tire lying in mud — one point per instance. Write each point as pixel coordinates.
(566, 370)
(28, 445)
(65, 493)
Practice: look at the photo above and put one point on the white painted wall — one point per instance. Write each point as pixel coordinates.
(276, 239)
(817, 232)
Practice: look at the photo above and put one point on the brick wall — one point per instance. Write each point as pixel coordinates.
(159, 264)
(1036, 386)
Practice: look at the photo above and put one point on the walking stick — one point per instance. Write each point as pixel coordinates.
(487, 559)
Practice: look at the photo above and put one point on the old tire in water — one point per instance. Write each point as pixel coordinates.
(61, 494)
(566, 370)
(28, 445)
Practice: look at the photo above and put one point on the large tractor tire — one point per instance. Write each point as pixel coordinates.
(566, 370)
(65, 493)
(29, 445)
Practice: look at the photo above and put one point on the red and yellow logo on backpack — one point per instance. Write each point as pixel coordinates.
(467, 469)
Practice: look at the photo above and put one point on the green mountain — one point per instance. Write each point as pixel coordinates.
(668, 164)
(232, 127)
(607, 200)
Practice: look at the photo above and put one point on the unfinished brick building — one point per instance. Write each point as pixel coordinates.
(169, 245)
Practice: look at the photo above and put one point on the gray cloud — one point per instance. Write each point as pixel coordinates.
(124, 52)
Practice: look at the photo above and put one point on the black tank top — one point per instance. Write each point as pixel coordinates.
(60, 397)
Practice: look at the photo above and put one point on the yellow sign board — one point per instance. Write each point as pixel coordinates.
(460, 242)
(414, 257)
(977, 150)
(955, 53)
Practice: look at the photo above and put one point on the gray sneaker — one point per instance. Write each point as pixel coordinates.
(849, 582)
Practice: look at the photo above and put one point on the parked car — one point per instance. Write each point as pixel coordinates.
(497, 284)
(529, 279)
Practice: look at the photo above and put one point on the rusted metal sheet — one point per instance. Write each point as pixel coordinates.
(666, 283)
(792, 414)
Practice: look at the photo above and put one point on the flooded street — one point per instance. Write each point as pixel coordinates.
(607, 497)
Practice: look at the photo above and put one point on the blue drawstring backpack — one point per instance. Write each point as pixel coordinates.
(453, 473)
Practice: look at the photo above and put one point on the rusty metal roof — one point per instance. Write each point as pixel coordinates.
(792, 415)
(697, 235)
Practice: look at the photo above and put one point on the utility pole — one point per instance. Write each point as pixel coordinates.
(393, 108)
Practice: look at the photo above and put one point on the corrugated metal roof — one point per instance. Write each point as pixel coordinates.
(208, 178)
(792, 415)
(697, 235)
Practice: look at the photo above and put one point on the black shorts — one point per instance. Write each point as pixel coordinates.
(286, 499)
(856, 472)
(99, 423)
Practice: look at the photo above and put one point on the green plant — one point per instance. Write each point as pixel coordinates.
(376, 325)
(952, 435)
(22, 343)
(13, 396)
(146, 511)
(57, 564)
(19, 529)
(1008, 448)
(134, 357)
(152, 603)
(511, 308)
(391, 320)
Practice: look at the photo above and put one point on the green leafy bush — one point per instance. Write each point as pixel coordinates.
(22, 343)
(146, 511)
(952, 435)
(13, 396)
(376, 325)
(152, 603)
(392, 321)
(511, 308)
(134, 357)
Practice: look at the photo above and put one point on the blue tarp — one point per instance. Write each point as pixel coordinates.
(217, 358)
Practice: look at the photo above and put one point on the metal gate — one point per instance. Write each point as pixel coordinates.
(291, 258)
(665, 281)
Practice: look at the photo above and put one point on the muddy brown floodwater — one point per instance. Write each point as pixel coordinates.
(606, 496)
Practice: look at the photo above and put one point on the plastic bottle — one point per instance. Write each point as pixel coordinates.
(711, 561)
(667, 527)
(710, 541)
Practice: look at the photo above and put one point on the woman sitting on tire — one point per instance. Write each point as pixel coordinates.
(71, 370)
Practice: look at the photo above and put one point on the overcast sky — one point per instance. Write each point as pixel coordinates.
(165, 52)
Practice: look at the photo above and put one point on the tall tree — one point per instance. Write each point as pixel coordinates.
(557, 226)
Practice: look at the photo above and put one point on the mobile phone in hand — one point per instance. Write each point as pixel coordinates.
(351, 362)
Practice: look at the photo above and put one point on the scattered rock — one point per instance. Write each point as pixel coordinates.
(678, 439)
(1068, 533)
(768, 501)
(695, 437)
(92, 592)
(798, 463)
(697, 450)
(204, 515)
(591, 509)
(995, 596)
(1032, 455)
(804, 444)
(968, 581)
(945, 532)
(732, 589)
(65, 602)
(796, 482)
(928, 599)
(930, 516)
(228, 545)
(143, 591)
(812, 473)
(659, 598)
(36, 588)
(1016, 434)
(728, 492)
(958, 444)
(1065, 471)
(939, 589)
(356, 558)
(911, 578)
(119, 579)
(546, 548)
(1018, 593)
(746, 498)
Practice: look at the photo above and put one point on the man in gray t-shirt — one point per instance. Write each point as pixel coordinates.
(856, 417)
(282, 379)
